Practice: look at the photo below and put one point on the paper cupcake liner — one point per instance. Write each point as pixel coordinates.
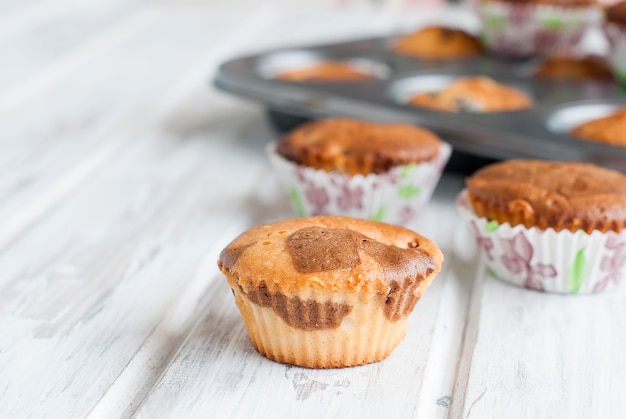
(364, 335)
(545, 260)
(395, 197)
(522, 30)
(616, 34)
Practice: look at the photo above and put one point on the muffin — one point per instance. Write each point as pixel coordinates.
(438, 43)
(379, 171)
(328, 292)
(326, 71)
(610, 129)
(574, 68)
(524, 28)
(549, 226)
(615, 29)
(474, 94)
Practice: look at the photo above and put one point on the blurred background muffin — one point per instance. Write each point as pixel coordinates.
(378, 171)
(474, 94)
(610, 129)
(524, 28)
(438, 43)
(588, 67)
(326, 71)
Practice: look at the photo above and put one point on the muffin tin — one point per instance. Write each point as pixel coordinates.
(540, 132)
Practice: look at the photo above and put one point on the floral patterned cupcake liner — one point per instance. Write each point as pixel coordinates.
(616, 34)
(545, 260)
(395, 197)
(523, 30)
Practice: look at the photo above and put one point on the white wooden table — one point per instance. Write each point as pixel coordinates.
(123, 173)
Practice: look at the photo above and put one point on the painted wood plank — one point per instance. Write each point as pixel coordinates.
(84, 119)
(76, 310)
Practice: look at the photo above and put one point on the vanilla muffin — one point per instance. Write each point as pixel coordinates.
(610, 129)
(328, 292)
(474, 94)
(326, 71)
(549, 226)
(379, 171)
(438, 43)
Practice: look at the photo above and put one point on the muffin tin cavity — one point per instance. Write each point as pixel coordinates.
(273, 65)
(567, 117)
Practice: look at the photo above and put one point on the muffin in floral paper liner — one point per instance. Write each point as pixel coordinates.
(615, 30)
(523, 28)
(549, 226)
(381, 172)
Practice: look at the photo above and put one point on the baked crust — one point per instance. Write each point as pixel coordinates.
(439, 43)
(610, 129)
(474, 94)
(563, 196)
(616, 13)
(358, 147)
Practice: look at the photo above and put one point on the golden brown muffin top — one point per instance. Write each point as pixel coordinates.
(570, 195)
(335, 254)
(358, 147)
(574, 68)
(616, 13)
(438, 43)
(474, 94)
(326, 71)
(610, 129)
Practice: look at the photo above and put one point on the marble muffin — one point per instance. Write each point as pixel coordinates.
(438, 43)
(549, 226)
(584, 68)
(327, 291)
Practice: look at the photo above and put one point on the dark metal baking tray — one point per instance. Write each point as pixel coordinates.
(539, 132)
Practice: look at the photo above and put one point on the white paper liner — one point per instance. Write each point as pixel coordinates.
(524, 30)
(616, 34)
(395, 197)
(563, 262)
